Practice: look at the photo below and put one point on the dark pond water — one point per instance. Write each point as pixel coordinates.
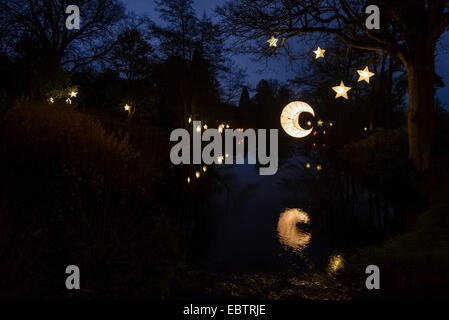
(277, 223)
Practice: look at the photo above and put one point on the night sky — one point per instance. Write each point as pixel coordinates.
(281, 69)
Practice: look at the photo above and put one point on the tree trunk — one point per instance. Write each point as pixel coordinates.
(421, 110)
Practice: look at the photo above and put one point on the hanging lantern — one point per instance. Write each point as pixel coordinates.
(342, 91)
(273, 41)
(365, 75)
(319, 53)
(290, 119)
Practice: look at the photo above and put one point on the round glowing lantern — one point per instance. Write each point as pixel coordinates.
(290, 116)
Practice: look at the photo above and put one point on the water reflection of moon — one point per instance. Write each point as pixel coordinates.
(290, 119)
(288, 232)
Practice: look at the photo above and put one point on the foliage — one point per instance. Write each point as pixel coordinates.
(411, 264)
(79, 195)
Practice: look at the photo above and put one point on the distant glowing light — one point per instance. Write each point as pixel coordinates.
(319, 167)
(324, 132)
(320, 123)
(342, 91)
(73, 94)
(205, 127)
(197, 174)
(308, 165)
(204, 168)
(319, 53)
(331, 124)
(127, 108)
(220, 159)
(366, 129)
(188, 179)
(198, 129)
(273, 41)
(51, 100)
(190, 119)
(68, 101)
(227, 126)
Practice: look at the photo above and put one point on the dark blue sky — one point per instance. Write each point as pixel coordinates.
(281, 69)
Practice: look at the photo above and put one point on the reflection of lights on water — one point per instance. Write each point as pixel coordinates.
(336, 263)
(288, 232)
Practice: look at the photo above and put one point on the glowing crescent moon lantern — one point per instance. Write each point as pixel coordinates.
(290, 116)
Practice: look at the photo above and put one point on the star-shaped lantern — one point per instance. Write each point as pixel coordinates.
(365, 75)
(319, 53)
(273, 42)
(342, 91)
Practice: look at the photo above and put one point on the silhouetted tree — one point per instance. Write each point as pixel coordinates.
(41, 23)
(177, 38)
(410, 31)
(245, 101)
(132, 55)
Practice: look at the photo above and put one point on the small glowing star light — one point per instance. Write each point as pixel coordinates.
(342, 91)
(319, 53)
(365, 75)
(273, 41)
